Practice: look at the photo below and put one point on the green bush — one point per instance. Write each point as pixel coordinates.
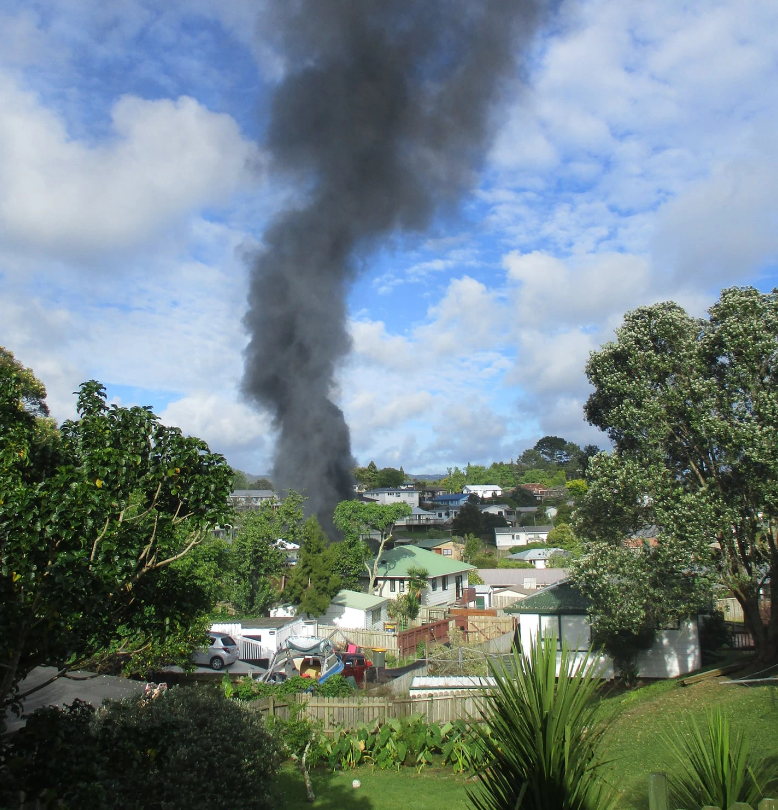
(249, 689)
(188, 747)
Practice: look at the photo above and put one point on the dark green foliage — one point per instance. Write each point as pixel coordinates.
(542, 738)
(314, 580)
(189, 747)
(471, 520)
(349, 558)
(249, 689)
(714, 633)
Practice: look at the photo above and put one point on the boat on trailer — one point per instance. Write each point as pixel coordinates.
(309, 656)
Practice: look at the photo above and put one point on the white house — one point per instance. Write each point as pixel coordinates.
(562, 610)
(386, 495)
(354, 610)
(501, 510)
(527, 579)
(243, 499)
(447, 578)
(509, 536)
(482, 490)
(421, 517)
(539, 557)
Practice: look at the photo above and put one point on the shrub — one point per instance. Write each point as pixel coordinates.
(189, 747)
(249, 689)
(542, 737)
(717, 767)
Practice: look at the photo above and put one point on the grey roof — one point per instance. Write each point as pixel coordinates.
(525, 529)
(264, 622)
(496, 506)
(390, 489)
(536, 554)
(502, 577)
(563, 597)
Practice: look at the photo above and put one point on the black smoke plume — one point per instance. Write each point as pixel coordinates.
(384, 115)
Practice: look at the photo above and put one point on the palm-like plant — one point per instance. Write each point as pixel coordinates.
(717, 767)
(542, 737)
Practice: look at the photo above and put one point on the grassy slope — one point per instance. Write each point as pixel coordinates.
(638, 720)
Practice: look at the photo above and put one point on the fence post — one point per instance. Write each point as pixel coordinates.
(657, 792)
(271, 706)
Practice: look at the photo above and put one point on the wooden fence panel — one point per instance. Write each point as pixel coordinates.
(409, 640)
(362, 638)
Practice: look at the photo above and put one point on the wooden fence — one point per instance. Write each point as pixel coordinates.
(350, 712)
(409, 640)
(659, 797)
(362, 638)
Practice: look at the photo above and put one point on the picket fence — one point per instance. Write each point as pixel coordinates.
(659, 797)
(348, 713)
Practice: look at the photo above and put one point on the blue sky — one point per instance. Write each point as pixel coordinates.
(635, 160)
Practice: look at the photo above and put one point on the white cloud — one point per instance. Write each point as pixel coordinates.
(165, 159)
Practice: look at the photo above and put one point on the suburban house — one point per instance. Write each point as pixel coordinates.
(444, 546)
(421, 517)
(562, 610)
(354, 610)
(509, 536)
(537, 556)
(482, 490)
(447, 578)
(455, 499)
(386, 495)
(446, 513)
(501, 510)
(526, 578)
(291, 550)
(428, 493)
(243, 499)
(540, 491)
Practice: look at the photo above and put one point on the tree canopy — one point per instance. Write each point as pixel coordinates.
(92, 518)
(313, 581)
(691, 406)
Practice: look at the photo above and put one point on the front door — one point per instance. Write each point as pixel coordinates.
(458, 583)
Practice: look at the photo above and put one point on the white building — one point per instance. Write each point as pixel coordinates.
(354, 610)
(539, 557)
(386, 495)
(509, 536)
(262, 637)
(447, 579)
(562, 610)
(483, 490)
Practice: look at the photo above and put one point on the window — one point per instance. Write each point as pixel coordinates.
(444, 585)
(576, 632)
(549, 626)
(434, 584)
(530, 584)
(446, 552)
(375, 615)
(392, 586)
(402, 586)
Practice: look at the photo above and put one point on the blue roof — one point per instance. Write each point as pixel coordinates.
(456, 498)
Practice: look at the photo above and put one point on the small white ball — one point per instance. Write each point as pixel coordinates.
(356, 783)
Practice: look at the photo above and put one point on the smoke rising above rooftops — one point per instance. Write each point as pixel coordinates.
(385, 114)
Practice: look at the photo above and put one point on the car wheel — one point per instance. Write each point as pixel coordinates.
(216, 662)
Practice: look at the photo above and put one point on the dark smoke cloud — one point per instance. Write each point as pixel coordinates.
(384, 114)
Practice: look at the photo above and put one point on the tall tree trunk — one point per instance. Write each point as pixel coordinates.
(764, 635)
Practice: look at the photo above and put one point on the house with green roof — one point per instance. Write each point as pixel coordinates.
(562, 611)
(444, 546)
(355, 610)
(447, 578)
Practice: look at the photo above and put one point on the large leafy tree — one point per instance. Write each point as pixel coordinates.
(358, 520)
(93, 517)
(691, 406)
(255, 558)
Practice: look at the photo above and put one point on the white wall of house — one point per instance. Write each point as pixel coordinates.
(673, 653)
(520, 536)
(351, 618)
(430, 596)
(409, 496)
(270, 639)
(483, 490)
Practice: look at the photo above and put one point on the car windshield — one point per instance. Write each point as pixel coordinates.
(228, 642)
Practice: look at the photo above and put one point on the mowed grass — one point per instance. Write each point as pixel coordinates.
(433, 789)
(638, 722)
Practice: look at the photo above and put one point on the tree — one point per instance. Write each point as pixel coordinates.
(254, 554)
(576, 488)
(390, 478)
(367, 476)
(454, 480)
(473, 546)
(690, 406)
(92, 518)
(562, 536)
(468, 519)
(314, 581)
(555, 450)
(357, 520)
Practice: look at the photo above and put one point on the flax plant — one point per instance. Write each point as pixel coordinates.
(543, 740)
(716, 767)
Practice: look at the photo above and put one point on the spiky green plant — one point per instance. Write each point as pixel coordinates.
(542, 738)
(715, 767)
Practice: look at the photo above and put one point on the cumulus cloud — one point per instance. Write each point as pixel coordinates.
(165, 159)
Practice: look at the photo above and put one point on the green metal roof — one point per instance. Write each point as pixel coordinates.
(358, 600)
(563, 597)
(397, 561)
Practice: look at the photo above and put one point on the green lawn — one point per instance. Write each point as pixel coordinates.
(638, 720)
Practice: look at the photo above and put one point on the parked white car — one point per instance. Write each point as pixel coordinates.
(222, 651)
